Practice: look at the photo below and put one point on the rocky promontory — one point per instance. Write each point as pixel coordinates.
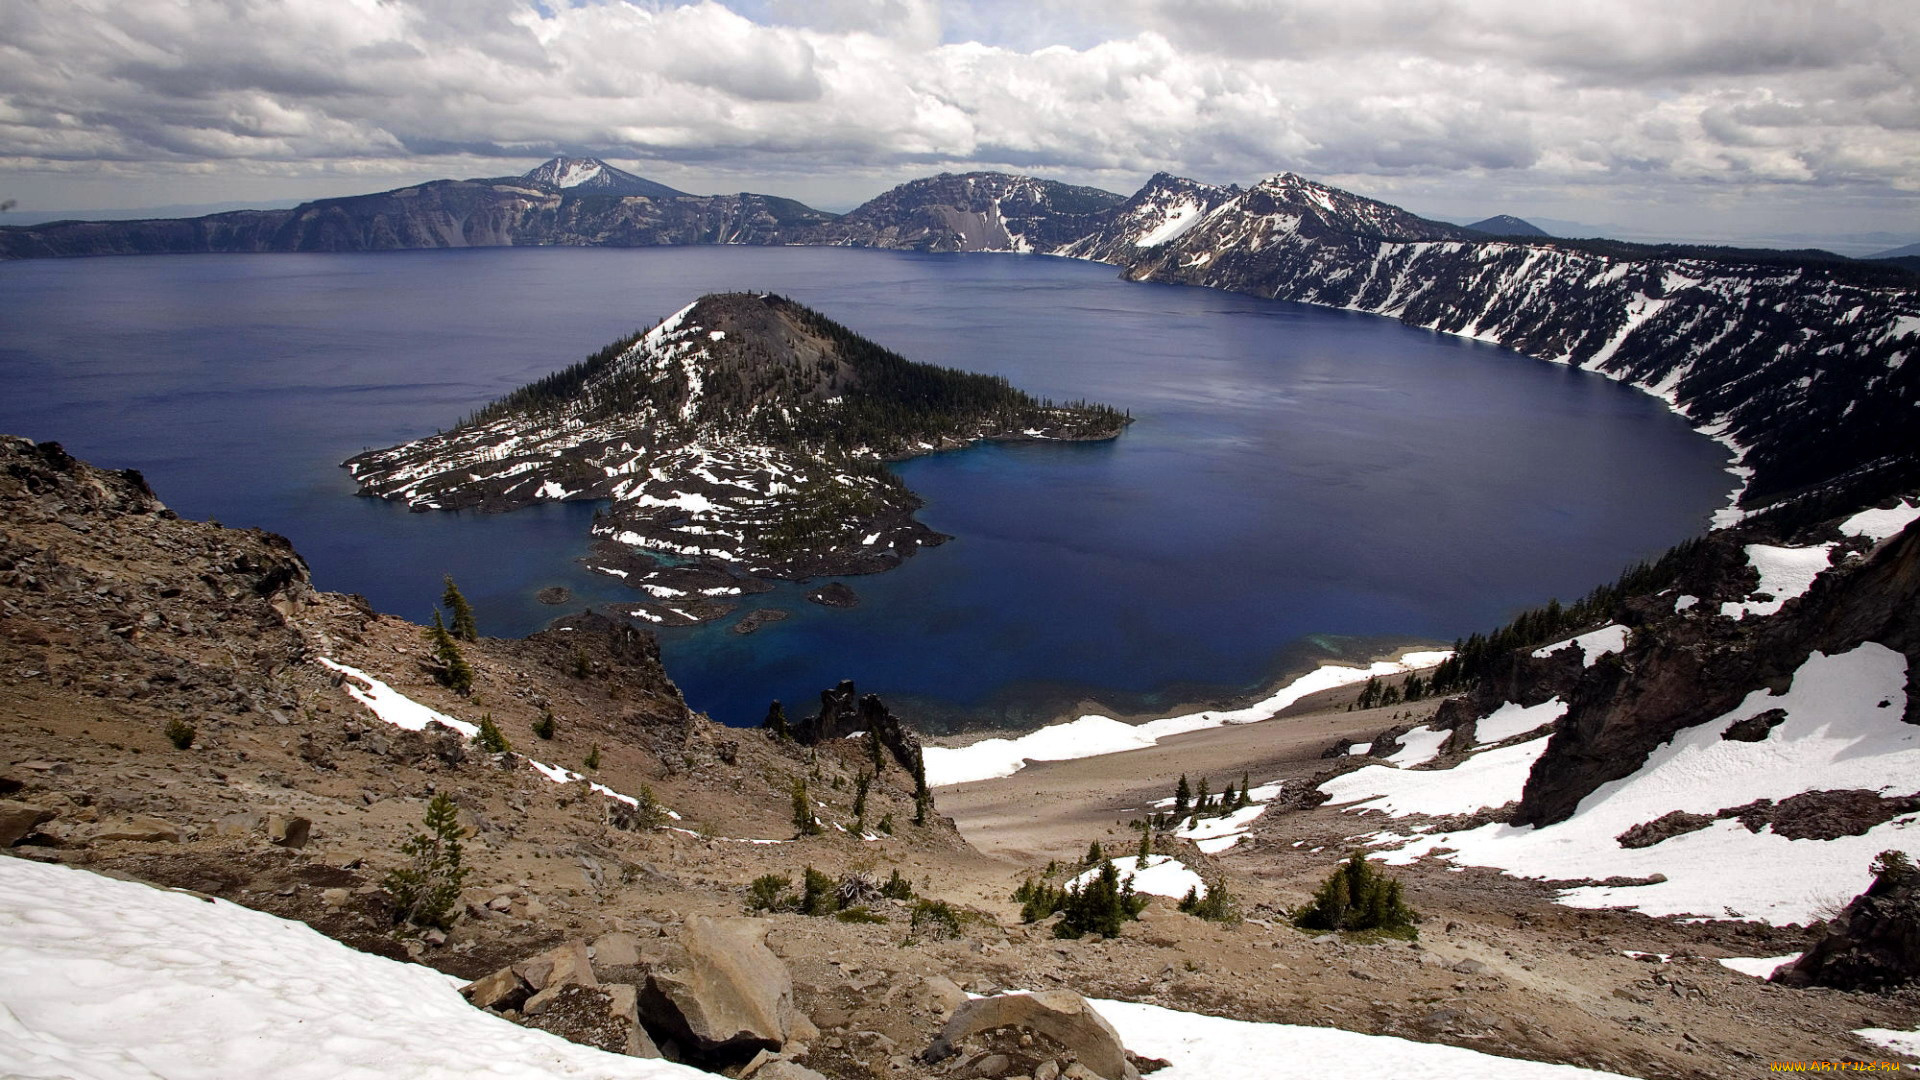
(740, 440)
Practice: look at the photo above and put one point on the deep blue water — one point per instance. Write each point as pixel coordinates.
(1297, 478)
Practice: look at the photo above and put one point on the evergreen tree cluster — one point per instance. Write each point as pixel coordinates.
(1216, 906)
(1098, 906)
(1474, 656)
(1189, 805)
(1358, 897)
(820, 894)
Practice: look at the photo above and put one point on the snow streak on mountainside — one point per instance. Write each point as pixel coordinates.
(974, 212)
(741, 438)
(1804, 366)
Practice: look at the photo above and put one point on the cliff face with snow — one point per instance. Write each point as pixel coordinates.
(1803, 365)
(1741, 744)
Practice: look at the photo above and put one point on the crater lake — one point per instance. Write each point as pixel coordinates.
(1299, 482)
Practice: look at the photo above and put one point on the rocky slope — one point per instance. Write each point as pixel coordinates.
(973, 212)
(320, 733)
(742, 437)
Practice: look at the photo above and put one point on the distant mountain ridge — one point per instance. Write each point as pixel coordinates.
(1798, 358)
(1507, 225)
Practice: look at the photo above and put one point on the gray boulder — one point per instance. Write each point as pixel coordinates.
(722, 995)
(1061, 1015)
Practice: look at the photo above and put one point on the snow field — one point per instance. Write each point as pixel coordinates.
(102, 979)
(1785, 573)
(1093, 735)
(1877, 525)
(1201, 1047)
(1489, 779)
(1163, 875)
(1842, 731)
(1592, 646)
(1510, 719)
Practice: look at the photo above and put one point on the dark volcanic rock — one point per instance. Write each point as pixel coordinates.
(835, 594)
(1875, 943)
(752, 621)
(554, 595)
(843, 712)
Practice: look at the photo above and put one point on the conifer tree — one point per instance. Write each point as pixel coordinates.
(1201, 799)
(1358, 897)
(922, 794)
(1182, 797)
(1246, 793)
(1094, 855)
(426, 889)
(1146, 849)
(460, 612)
(803, 820)
(861, 782)
(776, 721)
(488, 738)
(454, 673)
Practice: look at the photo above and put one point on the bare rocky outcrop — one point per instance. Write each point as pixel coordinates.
(843, 712)
(1874, 944)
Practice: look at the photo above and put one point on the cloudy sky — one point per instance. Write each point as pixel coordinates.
(1757, 120)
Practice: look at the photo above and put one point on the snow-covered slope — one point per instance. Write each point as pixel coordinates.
(105, 979)
(1746, 758)
(593, 176)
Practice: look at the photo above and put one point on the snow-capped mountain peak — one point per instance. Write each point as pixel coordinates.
(575, 174)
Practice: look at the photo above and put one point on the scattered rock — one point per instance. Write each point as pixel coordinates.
(238, 825)
(533, 984)
(618, 949)
(1061, 1015)
(138, 828)
(1664, 827)
(18, 819)
(287, 830)
(722, 994)
(787, 1070)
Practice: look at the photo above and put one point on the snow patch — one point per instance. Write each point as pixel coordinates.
(1760, 967)
(113, 980)
(1593, 646)
(1163, 875)
(1094, 735)
(1785, 573)
(1877, 525)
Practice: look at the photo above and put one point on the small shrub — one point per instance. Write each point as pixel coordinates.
(180, 733)
(897, 887)
(1038, 900)
(425, 891)
(886, 823)
(1358, 897)
(647, 811)
(817, 893)
(1216, 906)
(488, 738)
(593, 758)
(859, 914)
(543, 727)
(934, 920)
(582, 667)
(1095, 856)
(769, 892)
